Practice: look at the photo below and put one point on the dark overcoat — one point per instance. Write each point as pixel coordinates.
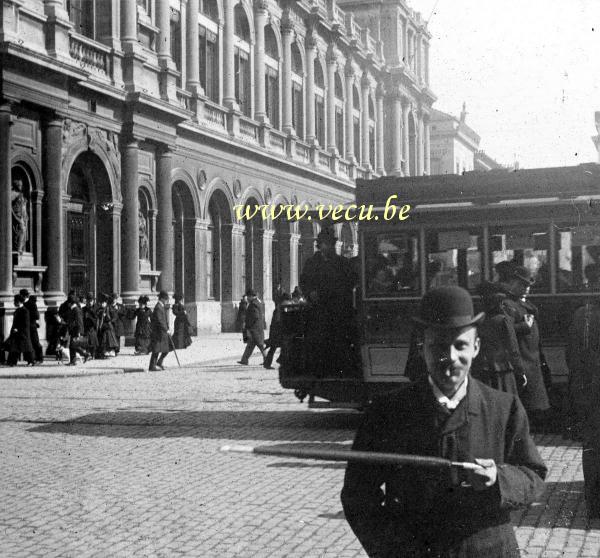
(254, 322)
(426, 512)
(90, 321)
(181, 328)
(159, 338)
(119, 314)
(20, 336)
(533, 395)
(34, 316)
(143, 328)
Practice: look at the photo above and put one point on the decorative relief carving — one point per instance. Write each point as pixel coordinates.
(268, 195)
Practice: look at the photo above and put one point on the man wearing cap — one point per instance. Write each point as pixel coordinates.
(327, 281)
(524, 316)
(159, 338)
(449, 512)
(253, 328)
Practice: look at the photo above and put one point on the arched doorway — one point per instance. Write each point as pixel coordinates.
(412, 145)
(89, 227)
(218, 248)
(184, 241)
(253, 251)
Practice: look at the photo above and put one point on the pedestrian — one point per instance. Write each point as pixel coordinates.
(524, 316)
(34, 323)
(159, 338)
(327, 281)
(241, 314)
(19, 342)
(77, 342)
(182, 327)
(63, 309)
(499, 363)
(143, 325)
(446, 512)
(253, 328)
(297, 296)
(119, 314)
(90, 323)
(275, 330)
(107, 338)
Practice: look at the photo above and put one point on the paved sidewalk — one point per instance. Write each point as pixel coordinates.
(216, 348)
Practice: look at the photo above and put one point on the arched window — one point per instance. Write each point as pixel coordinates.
(271, 76)
(297, 91)
(242, 60)
(371, 132)
(210, 9)
(339, 113)
(356, 121)
(319, 103)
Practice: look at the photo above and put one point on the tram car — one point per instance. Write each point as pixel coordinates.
(458, 229)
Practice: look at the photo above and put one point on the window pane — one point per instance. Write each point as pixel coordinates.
(391, 264)
(454, 257)
(578, 252)
(527, 247)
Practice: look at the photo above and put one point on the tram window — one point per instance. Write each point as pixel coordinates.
(454, 258)
(391, 265)
(578, 249)
(527, 247)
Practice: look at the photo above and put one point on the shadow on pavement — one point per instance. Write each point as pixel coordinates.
(231, 425)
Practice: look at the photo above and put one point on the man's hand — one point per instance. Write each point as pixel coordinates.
(485, 476)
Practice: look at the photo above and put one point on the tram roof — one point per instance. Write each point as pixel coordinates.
(483, 187)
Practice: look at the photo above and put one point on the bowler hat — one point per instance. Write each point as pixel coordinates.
(24, 293)
(326, 235)
(447, 308)
(505, 270)
(163, 294)
(250, 292)
(523, 274)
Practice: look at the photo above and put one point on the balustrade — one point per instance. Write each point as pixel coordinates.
(89, 55)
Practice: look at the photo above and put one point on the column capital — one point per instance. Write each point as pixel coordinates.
(331, 56)
(349, 68)
(380, 91)
(365, 82)
(261, 7)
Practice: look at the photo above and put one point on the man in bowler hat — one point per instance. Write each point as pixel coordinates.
(253, 328)
(159, 337)
(447, 512)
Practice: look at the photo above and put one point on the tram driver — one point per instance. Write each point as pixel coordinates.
(444, 512)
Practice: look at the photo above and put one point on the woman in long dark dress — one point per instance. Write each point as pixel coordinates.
(143, 325)
(20, 338)
(34, 317)
(181, 329)
(90, 321)
(106, 330)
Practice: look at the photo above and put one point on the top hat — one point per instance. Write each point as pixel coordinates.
(505, 270)
(523, 274)
(163, 295)
(24, 293)
(447, 308)
(250, 292)
(326, 235)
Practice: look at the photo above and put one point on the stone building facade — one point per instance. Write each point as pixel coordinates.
(130, 130)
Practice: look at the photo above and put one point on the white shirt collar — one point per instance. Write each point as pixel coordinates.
(449, 403)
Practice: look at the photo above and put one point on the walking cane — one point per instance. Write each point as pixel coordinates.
(374, 458)
(173, 345)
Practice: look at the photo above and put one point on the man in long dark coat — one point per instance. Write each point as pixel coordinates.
(327, 281)
(447, 512)
(253, 328)
(19, 341)
(34, 317)
(159, 338)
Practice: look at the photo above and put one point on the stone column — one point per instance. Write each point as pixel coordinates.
(405, 139)
(294, 271)
(260, 20)
(267, 264)
(129, 27)
(130, 225)
(331, 69)
(397, 134)
(427, 139)
(192, 48)
(380, 131)
(311, 53)
(164, 225)
(54, 234)
(228, 56)
(287, 35)
(420, 145)
(163, 22)
(349, 75)
(237, 261)
(5, 205)
(364, 90)
(183, 48)
(115, 217)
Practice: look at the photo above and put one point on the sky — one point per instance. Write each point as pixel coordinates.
(528, 70)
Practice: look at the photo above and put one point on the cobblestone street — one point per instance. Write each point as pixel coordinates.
(129, 465)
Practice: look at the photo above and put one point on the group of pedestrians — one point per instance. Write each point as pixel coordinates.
(83, 329)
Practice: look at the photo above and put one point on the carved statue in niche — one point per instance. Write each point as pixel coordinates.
(20, 216)
(144, 242)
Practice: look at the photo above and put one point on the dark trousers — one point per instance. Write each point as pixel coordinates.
(270, 355)
(13, 358)
(251, 343)
(155, 359)
(591, 479)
